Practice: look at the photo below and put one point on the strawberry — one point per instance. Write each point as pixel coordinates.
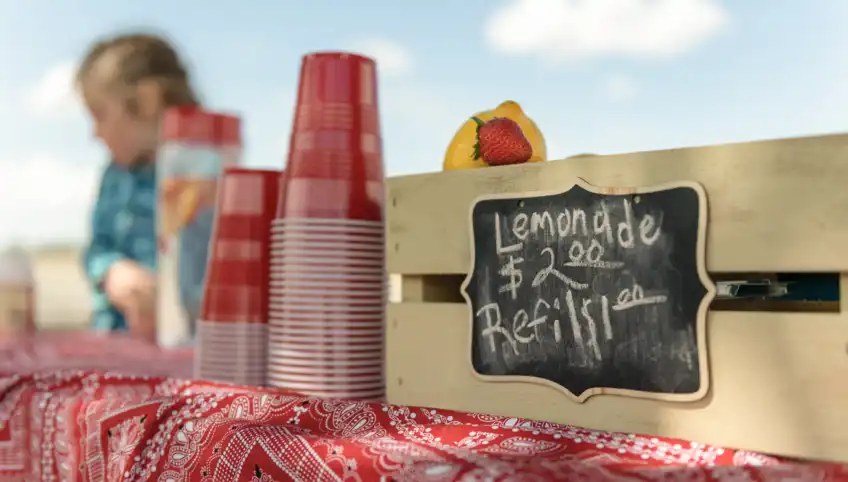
(501, 141)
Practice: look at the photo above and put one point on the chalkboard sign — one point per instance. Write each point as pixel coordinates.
(592, 290)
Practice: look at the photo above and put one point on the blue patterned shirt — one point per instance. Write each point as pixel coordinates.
(123, 226)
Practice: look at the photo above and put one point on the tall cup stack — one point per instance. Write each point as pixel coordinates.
(233, 330)
(327, 276)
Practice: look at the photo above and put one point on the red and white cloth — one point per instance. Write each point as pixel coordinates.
(79, 425)
(91, 351)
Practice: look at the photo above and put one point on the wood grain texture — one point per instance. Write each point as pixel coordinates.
(775, 206)
(778, 380)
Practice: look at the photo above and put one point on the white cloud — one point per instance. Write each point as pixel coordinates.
(53, 95)
(619, 88)
(569, 30)
(45, 199)
(393, 59)
(418, 123)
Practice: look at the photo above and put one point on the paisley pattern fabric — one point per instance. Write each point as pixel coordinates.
(82, 425)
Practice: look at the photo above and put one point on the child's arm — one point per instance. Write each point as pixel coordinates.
(101, 253)
(118, 281)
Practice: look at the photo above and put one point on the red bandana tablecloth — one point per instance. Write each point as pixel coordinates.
(81, 425)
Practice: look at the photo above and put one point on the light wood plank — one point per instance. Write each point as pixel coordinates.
(778, 382)
(775, 206)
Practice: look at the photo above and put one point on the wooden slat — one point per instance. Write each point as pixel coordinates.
(778, 382)
(774, 206)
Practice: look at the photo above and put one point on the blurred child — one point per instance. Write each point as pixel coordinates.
(127, 82)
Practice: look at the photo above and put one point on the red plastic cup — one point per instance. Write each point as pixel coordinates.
(281, 198)
(236, 288)
(327, 301)
(347, 324)
(366, 247)
(325, 226)
(327, 272)
(354, 331)
(327, 313)
(319, 237)
(334, 368)
(229, 329)
(232, 345)
(335, 162)
(304, 327)
(308, 360)
(235, 344)
(297, 270)
(310, 292)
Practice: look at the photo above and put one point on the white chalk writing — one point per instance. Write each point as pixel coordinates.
(635, 296)
(513, 274)
(573, 240)
(548, 270)
(573, 224)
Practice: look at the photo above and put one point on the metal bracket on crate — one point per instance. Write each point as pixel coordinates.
(751, 289)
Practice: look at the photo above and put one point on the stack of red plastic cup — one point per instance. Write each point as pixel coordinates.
(327, 282)
(233, 330)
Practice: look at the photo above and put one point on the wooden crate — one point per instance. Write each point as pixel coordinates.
(779, 380)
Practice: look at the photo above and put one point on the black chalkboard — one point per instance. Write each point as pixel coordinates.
(594, 290)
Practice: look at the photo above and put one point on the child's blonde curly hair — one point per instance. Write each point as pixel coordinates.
(124, 61)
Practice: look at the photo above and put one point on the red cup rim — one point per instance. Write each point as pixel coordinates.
(328, 255)
(376, 236)
(216, 356)
(321, 351)
(322, 363)
(338, 284)
(356, 277)
(319, 313)
(340, 277)
(278, 319)
(289, 271)
(374, 365)
(326, 302)
(234, 333)
(351, 291)
(305, 328)
(219, 338)
(320, 382)
(375, 327)
(335, 240)
(324, 230)
(342, 342)
(234, 328)
(313, 221)
(328, 387)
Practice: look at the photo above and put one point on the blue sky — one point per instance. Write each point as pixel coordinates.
(599, 76)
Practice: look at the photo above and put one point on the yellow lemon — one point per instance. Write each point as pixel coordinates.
(460, 152)
(178, 206)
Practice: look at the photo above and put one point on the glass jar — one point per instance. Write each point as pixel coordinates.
(196, 145)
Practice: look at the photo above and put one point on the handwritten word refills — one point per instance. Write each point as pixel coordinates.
(597, 293)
